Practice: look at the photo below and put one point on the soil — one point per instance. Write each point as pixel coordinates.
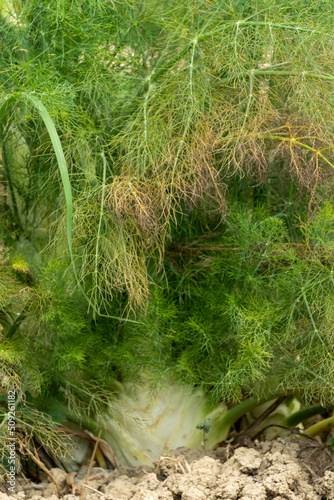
(274, 470)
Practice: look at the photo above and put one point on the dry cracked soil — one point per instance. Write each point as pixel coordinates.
(273, 470)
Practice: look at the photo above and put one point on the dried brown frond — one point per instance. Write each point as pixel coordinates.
(198, 180)
(140, 203)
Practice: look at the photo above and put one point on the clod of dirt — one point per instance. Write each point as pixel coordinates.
(325, 485)
(248, 462)
(274, 470)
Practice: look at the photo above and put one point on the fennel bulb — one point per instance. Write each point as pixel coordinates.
(152, 423)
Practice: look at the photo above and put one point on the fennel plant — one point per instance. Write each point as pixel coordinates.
(166, 199)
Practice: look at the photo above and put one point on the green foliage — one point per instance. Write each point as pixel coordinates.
(176, 97)
(255, 314)
(171, 166)
(51, 347)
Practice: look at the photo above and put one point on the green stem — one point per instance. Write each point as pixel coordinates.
(191, 112)
(315, 329)
(284, 26)
(324, 425)
(245, 406)
(99, 229)
(146, 97)
(250, 97)
(307, 74)
(191, 70)
(301, 415)
(224, 26)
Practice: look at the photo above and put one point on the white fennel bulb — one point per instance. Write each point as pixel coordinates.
(150, 424)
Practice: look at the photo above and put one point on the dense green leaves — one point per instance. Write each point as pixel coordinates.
(177, 97)
(259, 313)
(183, 152)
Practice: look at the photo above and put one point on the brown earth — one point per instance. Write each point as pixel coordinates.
(273, 470)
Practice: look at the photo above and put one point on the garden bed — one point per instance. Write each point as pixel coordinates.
(275, 470)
